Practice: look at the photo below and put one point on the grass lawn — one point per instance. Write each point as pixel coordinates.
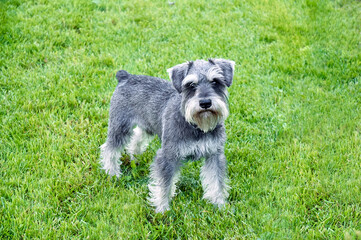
(294, 132)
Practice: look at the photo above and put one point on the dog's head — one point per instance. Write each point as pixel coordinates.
(203, 87)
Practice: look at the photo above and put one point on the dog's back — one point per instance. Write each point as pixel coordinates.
(131, 93)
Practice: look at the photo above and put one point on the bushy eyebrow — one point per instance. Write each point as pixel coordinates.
(192, 78)
(214, 72)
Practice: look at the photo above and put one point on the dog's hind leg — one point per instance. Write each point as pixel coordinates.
(138, 142)
(119, 131)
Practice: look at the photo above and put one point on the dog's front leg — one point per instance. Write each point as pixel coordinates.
(214, 179)
(162, 174)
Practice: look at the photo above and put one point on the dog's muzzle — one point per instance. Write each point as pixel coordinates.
(206, 113)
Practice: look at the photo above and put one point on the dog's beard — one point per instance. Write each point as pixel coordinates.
(206, 119)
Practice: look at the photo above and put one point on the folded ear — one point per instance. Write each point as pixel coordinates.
(227, 67)
(177, 74)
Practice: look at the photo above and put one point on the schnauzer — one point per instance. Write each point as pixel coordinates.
(188, 117)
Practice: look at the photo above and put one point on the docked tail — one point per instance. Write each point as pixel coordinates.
(122, 75)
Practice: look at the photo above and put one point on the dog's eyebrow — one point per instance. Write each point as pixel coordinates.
(192, 78)
(214, 72)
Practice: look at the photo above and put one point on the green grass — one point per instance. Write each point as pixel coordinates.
(294, 132)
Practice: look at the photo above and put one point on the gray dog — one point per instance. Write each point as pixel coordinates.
(188, 117)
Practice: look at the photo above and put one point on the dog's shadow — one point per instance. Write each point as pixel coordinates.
(136, 174)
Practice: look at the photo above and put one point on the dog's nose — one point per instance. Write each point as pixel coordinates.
(205, 103)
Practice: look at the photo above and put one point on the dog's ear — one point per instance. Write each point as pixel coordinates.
(227, 67)
(177, 74)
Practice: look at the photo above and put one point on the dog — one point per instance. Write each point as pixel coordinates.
(188, 117)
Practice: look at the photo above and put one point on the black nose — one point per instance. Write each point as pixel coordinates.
(205, 103)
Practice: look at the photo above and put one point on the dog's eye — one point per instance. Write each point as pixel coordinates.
(190, 85)
(215, 81)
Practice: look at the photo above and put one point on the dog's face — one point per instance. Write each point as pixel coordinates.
(203, 87)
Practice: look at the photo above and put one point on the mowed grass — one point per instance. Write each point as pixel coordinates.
(294, 132)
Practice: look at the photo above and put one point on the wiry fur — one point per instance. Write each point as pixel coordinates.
(188, 117)
(138, 142)
(206, 120)
(109, 157)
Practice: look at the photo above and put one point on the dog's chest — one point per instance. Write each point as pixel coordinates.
(195, 149)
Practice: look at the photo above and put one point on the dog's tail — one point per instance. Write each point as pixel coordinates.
(122, 75)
